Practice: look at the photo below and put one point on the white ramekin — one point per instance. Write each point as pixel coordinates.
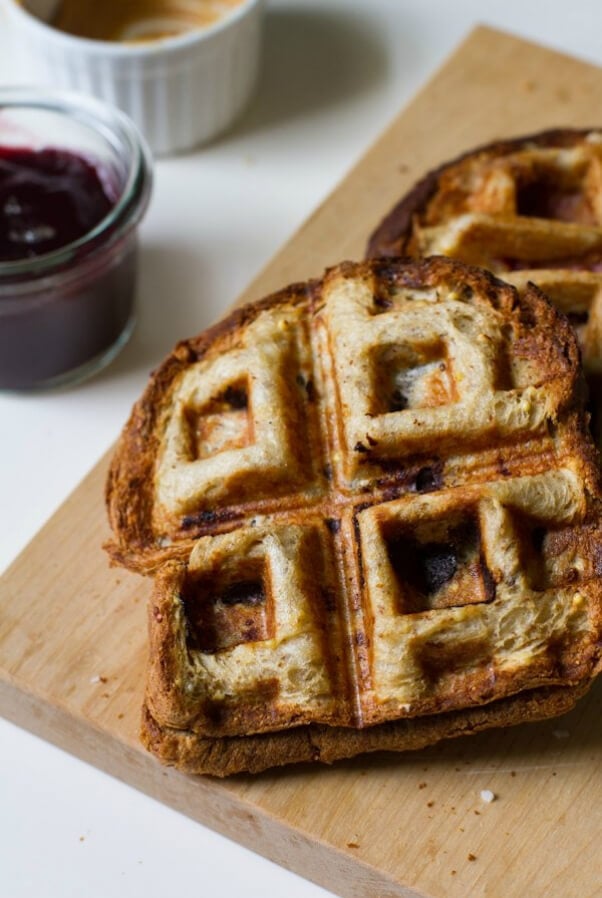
(180, 91)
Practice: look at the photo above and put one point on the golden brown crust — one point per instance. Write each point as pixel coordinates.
(393, 235)
(129, 492)
(373, 514)
(525, 629)
(527, 209)
(252, 754)
(536, 335)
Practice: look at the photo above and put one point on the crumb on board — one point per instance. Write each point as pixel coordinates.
(453, 872)
(353, 845)
(472, 857)
(430, 804)
(98, 678)
(487, 796)
(422, 785)
(560, 734)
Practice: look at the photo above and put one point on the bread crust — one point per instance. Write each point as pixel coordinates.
(289, 619)
(539, 332)
(392, 237)
(223, 757)
(131, 479)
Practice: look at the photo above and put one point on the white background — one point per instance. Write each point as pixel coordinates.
(334, 74)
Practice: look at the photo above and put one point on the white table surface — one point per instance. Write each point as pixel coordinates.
(335, 72)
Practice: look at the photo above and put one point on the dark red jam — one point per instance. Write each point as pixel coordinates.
(63, 314)
(48, 199)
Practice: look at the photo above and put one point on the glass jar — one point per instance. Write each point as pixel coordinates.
(66, 313)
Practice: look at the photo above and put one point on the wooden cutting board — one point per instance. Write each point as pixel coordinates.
(72, 631)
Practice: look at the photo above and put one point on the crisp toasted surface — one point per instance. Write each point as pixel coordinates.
(366, 500)
(193, 753)
(529, 209)
(383, 377)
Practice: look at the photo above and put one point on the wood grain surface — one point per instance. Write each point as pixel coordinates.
(73, 640)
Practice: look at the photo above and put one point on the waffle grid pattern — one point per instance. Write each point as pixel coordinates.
(528, 209)
(355, 594)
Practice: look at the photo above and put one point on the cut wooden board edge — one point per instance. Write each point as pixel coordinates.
(123, 757)
(234, 816)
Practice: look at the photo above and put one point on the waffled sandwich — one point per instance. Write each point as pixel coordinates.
(372, 511)
(528, 209)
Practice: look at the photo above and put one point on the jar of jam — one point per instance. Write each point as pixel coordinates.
(75, 181)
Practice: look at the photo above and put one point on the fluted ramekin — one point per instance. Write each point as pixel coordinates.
(180, 91)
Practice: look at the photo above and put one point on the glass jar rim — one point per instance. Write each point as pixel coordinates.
(119, 132)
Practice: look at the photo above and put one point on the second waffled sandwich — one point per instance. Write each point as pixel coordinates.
(528, 209)
(372, 512)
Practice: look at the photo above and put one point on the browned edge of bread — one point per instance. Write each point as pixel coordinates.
(391, 236)
(547, 337)
(252, 754)
(129, 485)
(545, 334)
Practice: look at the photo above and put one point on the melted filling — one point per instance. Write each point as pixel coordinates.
(222, 617)
(443, 571)
(408, 377)
(222, 424)
(544, 199)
